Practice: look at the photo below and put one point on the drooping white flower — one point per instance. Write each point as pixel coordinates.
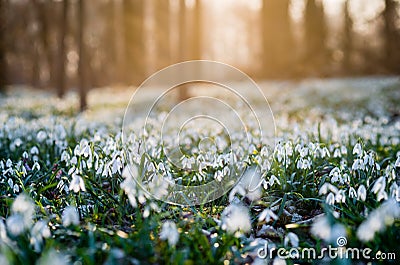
(340, 196)
(321, 228)
(236, 217)
(337, 153)
(379, 185)
(249, 185)
(357, 150)
(327, 187)
(34, 150)
(362, 193)
(397, 163)
(395, 191)
(358, 164)
(169, 232)
(267, 215)
(41, 136)
(382, 195)
(378, 219)
(22, 211)
(77, 183)
(291, 238)
(352, 193)
(330, 199)
(53, 257)
(39, 231)
(16, 224)
(70, 216)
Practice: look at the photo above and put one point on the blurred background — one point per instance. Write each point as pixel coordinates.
(76, 44)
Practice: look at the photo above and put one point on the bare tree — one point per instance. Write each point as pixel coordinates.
(162, 17)
(347, 38)
(277, 37)
(3, 73)
(83, 58)
(391, 36)
(183, 90)
(134, 44)
(61, 74)
(42, 13)
(315, 37)
(197, 31)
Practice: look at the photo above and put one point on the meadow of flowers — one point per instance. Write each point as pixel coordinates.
(333, 171)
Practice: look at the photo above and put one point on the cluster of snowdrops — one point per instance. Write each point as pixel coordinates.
(68, 198)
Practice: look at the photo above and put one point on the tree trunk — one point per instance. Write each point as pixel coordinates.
(41, 13)
(347, 39)
(61, 74)
(391, 37)
(197, 31)
(183, 89)
(315, 37)
(83, 60)
(3, 70)
(277, 38)
(162, 16)
(110, 43)
(134, 44)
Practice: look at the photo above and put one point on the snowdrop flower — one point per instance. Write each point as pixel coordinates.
(362, 193)
(249, 185)
(337, 153)
(267, 215)
(53, 257)
(327, 187)
(336, 176)
(382, 195)
(129, 187)
(304, 163)
(358, 164)
(116, 165)
(379, 185)
(330, 199)
(291, 238)
(187, 162)
(279, 152)
(272, 180)
(357, 150)
(82, 149)
(70, 216)
(378, 219)
(22, 211)
(77, 183)
(352, 193)
(159, 186)
(41, 136)
(321, 228)
(340, 196)
(303, 152)
(16, 224)
(34, 150)
(10, 183)
(395, 191)
(236, 217)
(397, 164)
(169, 232)
(39, 231)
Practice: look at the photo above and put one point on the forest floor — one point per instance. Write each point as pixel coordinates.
(325, 175)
